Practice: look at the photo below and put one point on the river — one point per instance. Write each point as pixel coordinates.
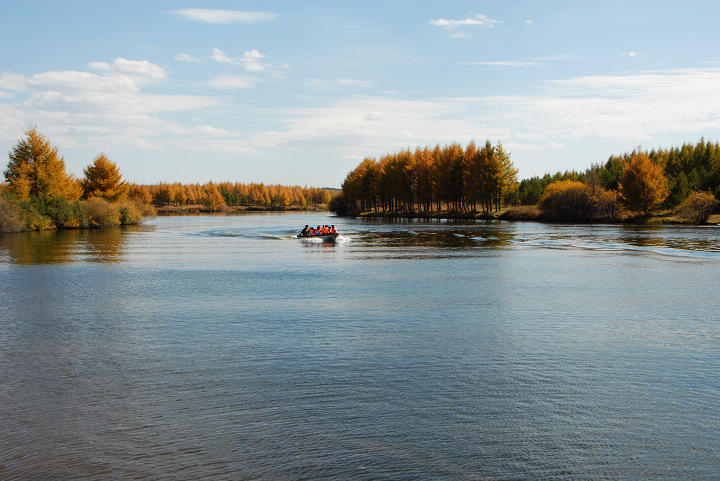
(221, 347)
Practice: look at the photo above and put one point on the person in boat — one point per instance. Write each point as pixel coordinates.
(332, 229)
(305, 231)
(325, 230)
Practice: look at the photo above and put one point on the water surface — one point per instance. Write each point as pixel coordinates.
(221, 347)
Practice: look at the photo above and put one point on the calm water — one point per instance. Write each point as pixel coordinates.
(223, 348)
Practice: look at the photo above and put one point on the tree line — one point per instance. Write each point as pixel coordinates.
(218, 196)
(470, 179)
(39, 194)
(685, 180)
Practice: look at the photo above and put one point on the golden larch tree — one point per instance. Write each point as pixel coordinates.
(36, 171)
(643, 184)
(103, 179)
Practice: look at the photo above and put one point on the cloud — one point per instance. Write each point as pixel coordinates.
(478, 20)
(249, 60)
(557, 125)
(183, 57)
(578, 119)
(335, 85)
(13, 81)
(147, 145)
(506, 63)
(224, 16)
(632, 54)
(232, 82)
(86, 108)
(135, 68)
(520, 63)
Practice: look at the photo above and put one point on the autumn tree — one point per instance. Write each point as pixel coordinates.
(567, 200)
(283, 198)
(103, 179)
(212, 198)
(141, 193)
(642, 185)
(423, 178)
(35, 171)
(698, 207)
(161, 194)
(509, 179)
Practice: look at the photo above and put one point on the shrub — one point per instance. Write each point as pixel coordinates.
(130, 213)
(100, 213)
(62, 213)
(32, 218)
(10, 217)
(606, 205)
(698, 207)
(567, 200)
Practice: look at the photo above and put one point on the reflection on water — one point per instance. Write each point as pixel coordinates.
(222, 347)
(63, 246)
(401, 238)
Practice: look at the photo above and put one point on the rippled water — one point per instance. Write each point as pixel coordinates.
(221, 347)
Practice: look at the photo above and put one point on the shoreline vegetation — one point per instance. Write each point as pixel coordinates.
(38, 194)
(674, 186)
(531, 213)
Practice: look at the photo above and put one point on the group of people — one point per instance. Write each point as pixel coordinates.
(320, 230)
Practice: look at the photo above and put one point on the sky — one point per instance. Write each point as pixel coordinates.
(300, 92)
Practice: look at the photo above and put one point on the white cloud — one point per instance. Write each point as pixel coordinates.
(478, 20)
(83, 84)
(571, 117)
(566, 119)
(135, 68)
(13, 81)
(632, 54)
(107, 108)
(335, 84)
(506, 63)
(210, 130)
(249, 60)
(147, 145)
(231, 82)
(184, 57)
(224, 16)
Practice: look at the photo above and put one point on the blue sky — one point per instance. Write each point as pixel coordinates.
(299, 92)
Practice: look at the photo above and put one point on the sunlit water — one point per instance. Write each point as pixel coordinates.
(221, 347)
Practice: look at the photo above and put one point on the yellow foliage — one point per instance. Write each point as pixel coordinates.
(103, 179)
(100, 212)
(36, 171)
(642, 185)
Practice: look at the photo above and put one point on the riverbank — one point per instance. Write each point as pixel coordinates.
(533, 214)
(200, 209)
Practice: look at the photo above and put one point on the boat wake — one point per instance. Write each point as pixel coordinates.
(320, 240)
(243, 234)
